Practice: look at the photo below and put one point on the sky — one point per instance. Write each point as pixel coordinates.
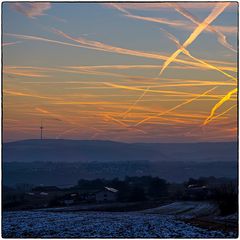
(131, 72)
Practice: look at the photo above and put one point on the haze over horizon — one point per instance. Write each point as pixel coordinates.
(125, 72)
(109, 140)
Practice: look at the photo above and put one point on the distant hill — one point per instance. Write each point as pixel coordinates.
(108, 151)
(60, 173)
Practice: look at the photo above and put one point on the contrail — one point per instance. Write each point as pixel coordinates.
(31, 71)
(173, 23)
(224, 99)
(145, 66)
(124, 124)
(14, 93)
(154, 91)
(221, 37)
(158, 91)
(94, 45)
(66, 131)
(211, 17)
(36, 38)
(54, 115)
(113, 49)
(219, 115)
(135, 103)
(219, 104)
(53, 119)
(74, 129)
(10, 43)
(158, 20)
(174, 108)
(186, 52)
(120, 8)
(19, 72)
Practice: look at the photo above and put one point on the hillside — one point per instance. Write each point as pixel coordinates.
(105, 151)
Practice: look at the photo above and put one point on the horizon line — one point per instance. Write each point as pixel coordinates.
(108, 140)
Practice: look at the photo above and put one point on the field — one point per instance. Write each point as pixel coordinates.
(45, 224)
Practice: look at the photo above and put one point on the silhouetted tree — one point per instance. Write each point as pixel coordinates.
(198, 182)
(157, 188)
(137, 194)
(227, 198)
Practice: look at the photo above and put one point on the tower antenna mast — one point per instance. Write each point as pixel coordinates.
(41, 130)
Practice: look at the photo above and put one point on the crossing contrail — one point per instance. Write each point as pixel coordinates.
(198, 30)
(173, 108)
(222, 39)
(219, 104)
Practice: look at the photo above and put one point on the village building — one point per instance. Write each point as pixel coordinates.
(106, 195)
(195, 192)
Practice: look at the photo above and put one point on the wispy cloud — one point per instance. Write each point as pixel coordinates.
(10, 43)
(58, 19)
(31, 9)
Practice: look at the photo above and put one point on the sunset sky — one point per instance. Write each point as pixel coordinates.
(132, 72)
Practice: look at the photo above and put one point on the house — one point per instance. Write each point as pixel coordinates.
(196, 192)
(44, 192)
(69, 198)
(88, 196)
(107, 195)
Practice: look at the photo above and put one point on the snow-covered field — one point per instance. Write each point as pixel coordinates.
(186, 209)
(98, 224)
